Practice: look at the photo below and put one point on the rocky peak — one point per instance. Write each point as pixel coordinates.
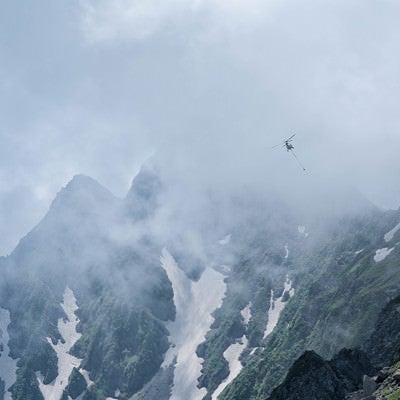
(76, 218)
(82, 193)
(143, 196)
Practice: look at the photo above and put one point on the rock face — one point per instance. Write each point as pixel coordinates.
(76, 384)
(369, 386)
(383, 347)
(312, 377)
(351, 366)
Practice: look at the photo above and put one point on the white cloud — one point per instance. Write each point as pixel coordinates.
(136, 20)
(215, 80)
(108, 20)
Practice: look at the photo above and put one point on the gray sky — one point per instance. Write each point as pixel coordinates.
(96, 87)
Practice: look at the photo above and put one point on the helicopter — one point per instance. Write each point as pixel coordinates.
(287, 143)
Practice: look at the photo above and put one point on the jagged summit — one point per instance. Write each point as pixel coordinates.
(127, 296)
(82, 202)
(82, 191)
(81, 180)
(80, 212)
(143, 196)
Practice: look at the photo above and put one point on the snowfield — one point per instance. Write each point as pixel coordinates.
(277, 306)
(194, 302)
(8, 366)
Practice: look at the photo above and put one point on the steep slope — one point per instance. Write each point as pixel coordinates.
(340, 291)
(352, 374)
(383, 347)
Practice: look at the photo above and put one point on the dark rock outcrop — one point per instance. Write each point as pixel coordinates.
(76, 384)
(312, 378)
(350, 366)
(383, 347)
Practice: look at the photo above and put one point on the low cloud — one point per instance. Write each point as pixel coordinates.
(208, 85)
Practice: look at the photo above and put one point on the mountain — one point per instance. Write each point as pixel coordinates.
(76, 297)
(139, 298)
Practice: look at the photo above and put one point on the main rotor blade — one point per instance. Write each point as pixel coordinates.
(291, 137)
(280, 144)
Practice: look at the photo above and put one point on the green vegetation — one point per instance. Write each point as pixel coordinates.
(121, 345)
(250, 281)
(396, 366)
(395, 395)
(2, 389)
(76, 384)
(34, 311)
(26, 387)
(123, 336)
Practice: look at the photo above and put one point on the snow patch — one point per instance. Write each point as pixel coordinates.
(302, 230)
(8, 366)
(194, 302)
(66, 362)
(389, 236)
(277, 306)
(225, 240)
(116, 395)
(85, 374)
(381, 254)
(232, 355)
(246, 314)
(286, 251)
(254, 350)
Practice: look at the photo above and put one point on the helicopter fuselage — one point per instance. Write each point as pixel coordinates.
(289, 146)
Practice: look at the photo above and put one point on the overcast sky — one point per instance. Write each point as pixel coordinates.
(97, 87)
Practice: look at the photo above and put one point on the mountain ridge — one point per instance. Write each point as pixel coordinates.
(104, 249)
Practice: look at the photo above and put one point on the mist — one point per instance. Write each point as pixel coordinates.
(206, 88)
